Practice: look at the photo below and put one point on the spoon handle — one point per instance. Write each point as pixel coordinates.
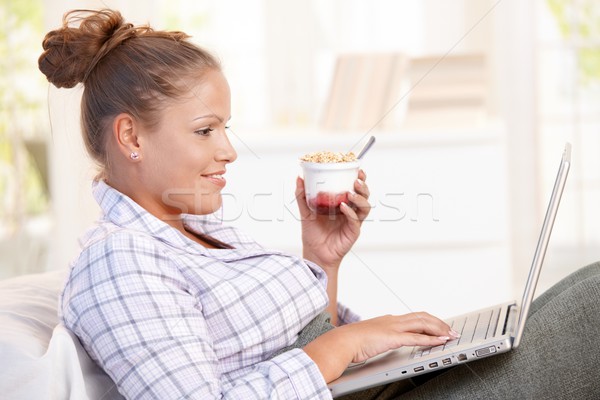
(366, 148)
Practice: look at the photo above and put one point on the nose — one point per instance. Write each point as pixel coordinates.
(225, 152)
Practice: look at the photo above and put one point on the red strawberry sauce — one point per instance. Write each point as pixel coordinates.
(328, 203)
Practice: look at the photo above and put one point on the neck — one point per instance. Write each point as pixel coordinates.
(170, 217)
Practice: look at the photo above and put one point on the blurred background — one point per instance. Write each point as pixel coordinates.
(471, 102)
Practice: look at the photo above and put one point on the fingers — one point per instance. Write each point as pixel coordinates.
(360, 199)
(421, 329)
(388, 332)
(417, 339)
(362, 175)
(360, 185)
(301, 198)
(360, 204)
(422, 322)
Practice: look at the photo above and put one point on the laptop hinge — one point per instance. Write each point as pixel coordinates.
(511, 319)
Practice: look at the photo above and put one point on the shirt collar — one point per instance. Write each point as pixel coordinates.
(123, 212)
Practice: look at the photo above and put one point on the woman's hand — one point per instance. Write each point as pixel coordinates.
(357, 342)
(326, 239)
(388, 332)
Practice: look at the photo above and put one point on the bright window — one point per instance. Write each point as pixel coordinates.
(568, 84)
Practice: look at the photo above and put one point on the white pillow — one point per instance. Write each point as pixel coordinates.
(40, 358)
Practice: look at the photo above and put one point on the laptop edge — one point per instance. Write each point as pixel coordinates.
(508, 332)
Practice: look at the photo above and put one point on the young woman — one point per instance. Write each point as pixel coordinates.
(173, 304)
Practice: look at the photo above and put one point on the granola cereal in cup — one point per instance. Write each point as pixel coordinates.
(328, 177)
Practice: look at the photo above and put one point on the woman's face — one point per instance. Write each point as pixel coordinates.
(184, 158)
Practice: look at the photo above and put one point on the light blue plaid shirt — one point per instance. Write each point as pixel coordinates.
(167, 318)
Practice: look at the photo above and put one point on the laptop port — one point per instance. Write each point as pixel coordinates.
(462, 357)
(433, 365)
(447, 361)
(419, 369)
(485, 351)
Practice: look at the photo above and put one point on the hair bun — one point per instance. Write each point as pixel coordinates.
(71, 53)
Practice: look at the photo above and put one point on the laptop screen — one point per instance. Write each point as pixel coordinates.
(542, 245)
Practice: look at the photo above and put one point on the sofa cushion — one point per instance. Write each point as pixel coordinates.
(40, 358)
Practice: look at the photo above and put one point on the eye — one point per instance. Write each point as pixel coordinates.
(204, 132)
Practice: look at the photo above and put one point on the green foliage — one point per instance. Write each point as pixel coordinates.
(188, 16)
(22, 94)
(579, 21)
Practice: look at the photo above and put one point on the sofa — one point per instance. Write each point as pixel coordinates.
(40, 358)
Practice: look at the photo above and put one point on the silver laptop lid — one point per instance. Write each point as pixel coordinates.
(542, 244)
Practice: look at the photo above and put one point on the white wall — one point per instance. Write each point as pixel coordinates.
(279, 81)
(513, 60)
(437, 231)
(71, 172)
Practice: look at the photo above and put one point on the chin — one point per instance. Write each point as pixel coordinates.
(211, 208)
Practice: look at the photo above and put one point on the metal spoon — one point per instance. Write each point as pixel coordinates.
(366, 148)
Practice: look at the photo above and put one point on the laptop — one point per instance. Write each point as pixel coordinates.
(484, 333)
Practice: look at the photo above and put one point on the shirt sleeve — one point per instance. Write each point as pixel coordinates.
(137, 318)
(346, 315)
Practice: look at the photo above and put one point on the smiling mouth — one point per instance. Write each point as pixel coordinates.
(216, 179)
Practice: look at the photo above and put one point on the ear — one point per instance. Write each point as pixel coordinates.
(126, 137)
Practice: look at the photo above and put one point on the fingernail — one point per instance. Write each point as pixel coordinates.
(453, 333)
(360, 182)
(444, 338)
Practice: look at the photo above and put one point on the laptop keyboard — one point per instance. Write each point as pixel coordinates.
(472, 328)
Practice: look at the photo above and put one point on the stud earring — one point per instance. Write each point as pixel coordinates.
(134, 155)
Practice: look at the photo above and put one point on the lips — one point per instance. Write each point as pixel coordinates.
(216, 178)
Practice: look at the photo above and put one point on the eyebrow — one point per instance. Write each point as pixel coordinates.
(210, 116)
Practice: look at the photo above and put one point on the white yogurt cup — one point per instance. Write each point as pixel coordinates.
(326, 185)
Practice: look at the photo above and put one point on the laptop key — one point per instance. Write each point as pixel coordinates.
(493, 323)
(458, 325)
(466, 335)
(482, 326)
(416, 353)
(436, 349)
